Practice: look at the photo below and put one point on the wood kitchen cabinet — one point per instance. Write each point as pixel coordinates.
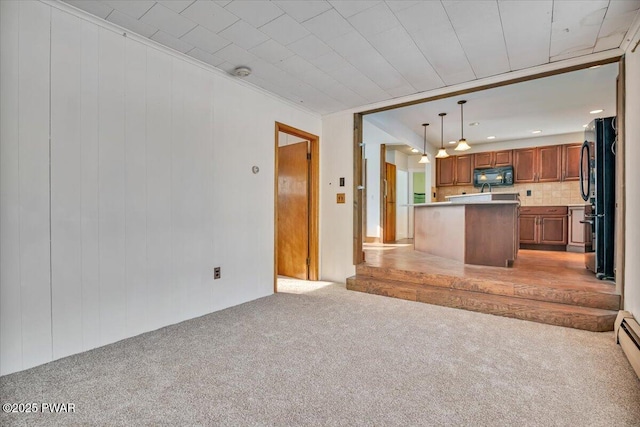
(454, 170)
(538, 164)
(493, 159)
(571, 162)
(543, 227)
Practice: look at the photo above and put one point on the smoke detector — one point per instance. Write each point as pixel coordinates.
(241, 71)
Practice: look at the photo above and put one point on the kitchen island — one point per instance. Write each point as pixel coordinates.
(477, 229)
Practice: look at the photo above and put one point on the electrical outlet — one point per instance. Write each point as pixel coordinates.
(216, 273)
(340, 198)
(528, 192)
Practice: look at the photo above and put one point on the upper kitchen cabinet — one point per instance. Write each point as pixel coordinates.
(571, 162)
(538, 164)
(525, 165)
(454, 170)
(550, 163)
(464, 169)
(493, 159)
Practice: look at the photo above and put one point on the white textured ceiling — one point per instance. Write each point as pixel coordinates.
(334, 55)
(554, 105)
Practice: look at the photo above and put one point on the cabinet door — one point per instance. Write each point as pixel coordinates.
(464, 170)
(550, 163)
(577, 230)
(445, 171)
(525, 161)
(553, 230)
(528, 228)
(483, 160)
(502, 158)
(571, 162)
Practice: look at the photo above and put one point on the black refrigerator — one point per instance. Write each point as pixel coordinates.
(598, 186)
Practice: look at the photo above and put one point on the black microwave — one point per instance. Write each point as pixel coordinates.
(496, 177)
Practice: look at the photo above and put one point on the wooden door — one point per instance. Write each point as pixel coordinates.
(293, 210)
(528, 228)
(550, 163)
(502, 158)
(445, 171)
(390, 204)
(571, 162)
(464, 170)
(483, 160)
(525, 161)
(553, 230)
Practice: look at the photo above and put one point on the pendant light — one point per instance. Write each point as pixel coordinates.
(424, 158)
(462, 143)
(442, 152)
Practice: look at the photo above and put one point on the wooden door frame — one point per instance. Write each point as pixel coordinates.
(358, 155)
(383, 177)
(314, 185)
(621, 212)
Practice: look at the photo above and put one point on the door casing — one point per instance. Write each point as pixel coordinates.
(314, 183)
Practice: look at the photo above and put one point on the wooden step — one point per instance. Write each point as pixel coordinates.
(552, 313)
(584, 296)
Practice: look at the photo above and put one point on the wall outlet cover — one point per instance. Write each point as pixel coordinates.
(340, 198)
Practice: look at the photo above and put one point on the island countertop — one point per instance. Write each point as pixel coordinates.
(443, 204)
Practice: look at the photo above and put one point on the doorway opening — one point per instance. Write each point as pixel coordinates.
(296, 204)
(559, 192)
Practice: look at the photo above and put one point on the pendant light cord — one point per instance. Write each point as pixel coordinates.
(442, 130)
(461, 120)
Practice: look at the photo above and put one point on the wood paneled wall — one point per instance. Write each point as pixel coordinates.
(25, 308)
(119, 191)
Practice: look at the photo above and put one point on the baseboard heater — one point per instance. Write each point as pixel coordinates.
(627, 332)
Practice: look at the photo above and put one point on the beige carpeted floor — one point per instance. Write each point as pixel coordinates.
(317, 354)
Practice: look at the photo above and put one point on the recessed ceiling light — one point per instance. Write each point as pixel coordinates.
(474, 123)
(415, 150)
(584, 126)
(595, 111)
(491, 137)
(453, 142)
(537, 131)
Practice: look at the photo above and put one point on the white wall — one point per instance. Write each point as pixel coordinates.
(336, 230)
(372, 154)
(402, 199)
(632, 180)
(285, 139)
(373, 137)
(114, 227)
(541, 141)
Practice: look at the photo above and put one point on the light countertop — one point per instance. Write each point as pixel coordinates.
(446, 204)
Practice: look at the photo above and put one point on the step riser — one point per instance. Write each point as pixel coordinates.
(519, 308)
(582, 298)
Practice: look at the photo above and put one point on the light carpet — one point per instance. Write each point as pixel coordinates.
(317, 354)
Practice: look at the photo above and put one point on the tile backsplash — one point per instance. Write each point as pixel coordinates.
(542, 193)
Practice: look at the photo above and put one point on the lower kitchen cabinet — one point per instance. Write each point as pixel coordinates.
(579, 231)
(543, 227)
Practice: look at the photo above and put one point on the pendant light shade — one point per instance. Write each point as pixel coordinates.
(424, 158)
(442, 152)
(462, 143)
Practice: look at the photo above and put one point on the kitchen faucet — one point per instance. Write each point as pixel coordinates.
(482, 187)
